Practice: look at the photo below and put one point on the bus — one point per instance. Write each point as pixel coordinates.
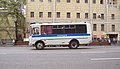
(60, 34)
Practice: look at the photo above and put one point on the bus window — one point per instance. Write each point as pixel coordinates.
(35, 31)
(81, 29)
(46, 29)
(49, 29)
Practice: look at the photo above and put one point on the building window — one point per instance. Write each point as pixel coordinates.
(102, 16)
(113, 28)
(86, 1)
(40, 14)
(58, 14)
(41, 0)
(58, 1)
(77, 1)
(113, 16)
(49, 14)
(78, 15)
(94, 1)
(68, 1)
(68, 14)
(32, 0)
(32, 14)
(112, 2)
(94, 15)
(101, 1)
(94, 27)
(86, 15)
(49, 0)
(102, 27)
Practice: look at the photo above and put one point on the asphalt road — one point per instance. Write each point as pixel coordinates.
(85, 57)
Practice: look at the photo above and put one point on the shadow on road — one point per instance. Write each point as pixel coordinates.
(62, 48)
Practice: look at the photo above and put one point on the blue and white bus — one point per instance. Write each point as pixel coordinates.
(62, 34)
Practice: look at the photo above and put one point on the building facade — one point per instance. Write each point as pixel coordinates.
(103, 15)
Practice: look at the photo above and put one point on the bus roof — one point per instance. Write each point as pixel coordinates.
(59, 23)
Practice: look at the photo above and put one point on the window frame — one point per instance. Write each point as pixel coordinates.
(41, 0)
(78, 15)
(94, 15)
(49, 1)
(32, 14)
(77, 1)
(102, 27)
(86, 1)
(40, 14)
(113, 28)
(101, 1)
(49, 14)
(68, 1)
(94, 27)
(113, 16)
(86, 16)
(32, 0)
(68, 15)
(102, 16)
(58, 14)
(94, 1)
(58, 1)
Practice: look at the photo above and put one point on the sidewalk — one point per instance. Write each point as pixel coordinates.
(29, 46)
(117, 44)
(11, 45)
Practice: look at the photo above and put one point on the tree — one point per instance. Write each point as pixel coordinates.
(13, 8)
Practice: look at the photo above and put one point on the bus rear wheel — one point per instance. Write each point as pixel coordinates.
(73, 44)
(39, 45)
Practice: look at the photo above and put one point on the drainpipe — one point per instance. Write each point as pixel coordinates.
(54, 11)
(106, 16)
(91, 15)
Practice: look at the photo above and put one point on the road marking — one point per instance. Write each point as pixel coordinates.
(100, 59)
(93, 52)
(3, 53)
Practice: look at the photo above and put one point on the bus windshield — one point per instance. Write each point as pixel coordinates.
(35, 31)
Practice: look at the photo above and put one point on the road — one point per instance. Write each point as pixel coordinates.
(85, 57)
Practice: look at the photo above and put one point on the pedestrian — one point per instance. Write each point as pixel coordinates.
(114, 40)
(109, 41)
(13, 42)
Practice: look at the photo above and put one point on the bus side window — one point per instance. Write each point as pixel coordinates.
(42, 30)
(49, 30)
(46, 29)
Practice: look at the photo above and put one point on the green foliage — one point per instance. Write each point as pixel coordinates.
(3, 3)
(13, 8)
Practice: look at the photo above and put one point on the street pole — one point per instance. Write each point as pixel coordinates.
(16, 31)
(107, 17)
(91, 15)
(54, 11)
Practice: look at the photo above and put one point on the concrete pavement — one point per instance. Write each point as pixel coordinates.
(85, 57)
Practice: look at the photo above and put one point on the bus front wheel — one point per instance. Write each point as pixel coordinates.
(73, 44)
(39, 45)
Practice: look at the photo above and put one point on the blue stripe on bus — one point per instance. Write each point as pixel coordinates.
(59, 35)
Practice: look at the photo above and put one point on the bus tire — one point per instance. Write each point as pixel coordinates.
(39, 45)
(74, 44)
